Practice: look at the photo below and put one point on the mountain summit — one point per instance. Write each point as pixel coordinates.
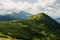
(44, 19)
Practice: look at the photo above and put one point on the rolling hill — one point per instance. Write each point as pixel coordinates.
(37, 27)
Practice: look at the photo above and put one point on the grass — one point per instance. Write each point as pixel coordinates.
(7, 39)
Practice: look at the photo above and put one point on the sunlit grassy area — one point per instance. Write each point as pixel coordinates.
(7, 39)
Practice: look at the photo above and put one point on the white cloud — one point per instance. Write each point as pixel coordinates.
(44, 3)
(10, 6)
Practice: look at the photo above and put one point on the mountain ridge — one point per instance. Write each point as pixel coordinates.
(15, 16)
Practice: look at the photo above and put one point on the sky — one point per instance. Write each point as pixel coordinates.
(49, 7)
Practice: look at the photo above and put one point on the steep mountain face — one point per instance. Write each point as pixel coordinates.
(37, 27)
(58, 20)
(15, 16)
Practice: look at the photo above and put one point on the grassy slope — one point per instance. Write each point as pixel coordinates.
(6, 37)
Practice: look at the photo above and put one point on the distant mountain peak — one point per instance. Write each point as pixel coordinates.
(23, 14)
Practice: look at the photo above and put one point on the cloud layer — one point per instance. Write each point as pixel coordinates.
(47, 6)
